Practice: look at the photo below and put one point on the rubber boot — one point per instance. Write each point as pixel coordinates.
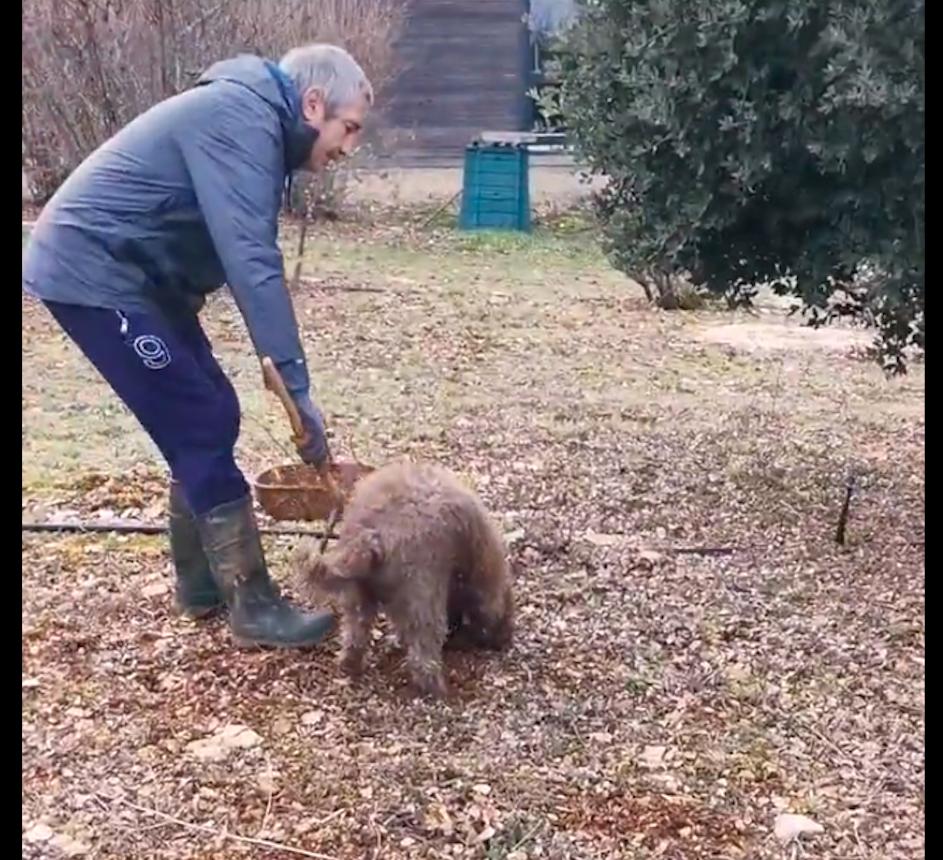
(258, 614)
(196, 592)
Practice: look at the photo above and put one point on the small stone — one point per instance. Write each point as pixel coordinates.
(482, 788)
(653, 756)
(38, 833)
(206, 749)
(601, 539)
(69, 846)
(267, 781)
(30, 683)
(407, 842)
(312, 718)
(485, 834)
(155, 589)
(219, 745)
(513, 537)
(650, 557)
(281, 726)
(789, 827)
(737, 673)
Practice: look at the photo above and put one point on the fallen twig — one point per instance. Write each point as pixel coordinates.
(329, 531)
(438, 211)
(203, 828)
(271, 795)
(701, 550)
(846, 505)
(527, 836)
(341, 288)
(296, 278)
(138, 527)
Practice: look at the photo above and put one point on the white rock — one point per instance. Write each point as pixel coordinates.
(485, 834)
(207, 749)
(69, 846)
(601, 539)
(312, 718)
(267, 781)
(653, 756)
(155, 589)
(789, 826)
(218, 746)
(38, 833)
(241, 737)
(513, 537)
(482, 788)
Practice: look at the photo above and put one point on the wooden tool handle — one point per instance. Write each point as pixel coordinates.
(275, 383)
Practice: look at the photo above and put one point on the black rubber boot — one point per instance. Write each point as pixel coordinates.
(196, 592)
(258, 614)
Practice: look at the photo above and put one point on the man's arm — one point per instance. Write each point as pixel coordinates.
(235, 158)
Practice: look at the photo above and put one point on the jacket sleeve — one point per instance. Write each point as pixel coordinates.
(235, 158)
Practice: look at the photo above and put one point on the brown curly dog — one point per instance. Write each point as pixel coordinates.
(418, 544)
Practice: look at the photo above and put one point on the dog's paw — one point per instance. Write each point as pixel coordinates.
(430, 686)
(351, 664)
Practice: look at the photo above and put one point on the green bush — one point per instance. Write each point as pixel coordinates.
(767, 142)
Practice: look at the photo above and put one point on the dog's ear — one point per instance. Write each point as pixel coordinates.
(363, 555)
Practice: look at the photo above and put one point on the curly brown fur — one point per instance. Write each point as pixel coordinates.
(418, 544)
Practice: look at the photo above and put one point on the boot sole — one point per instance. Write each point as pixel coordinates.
(255, 644)
(201, 613)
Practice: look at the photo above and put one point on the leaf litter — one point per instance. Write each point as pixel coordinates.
(655, 703)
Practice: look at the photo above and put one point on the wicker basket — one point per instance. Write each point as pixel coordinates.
(298, 492)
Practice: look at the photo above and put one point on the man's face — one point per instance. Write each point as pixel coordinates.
(338, 132)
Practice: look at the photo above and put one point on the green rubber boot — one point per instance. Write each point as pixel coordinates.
(195, 590)
(258, 614)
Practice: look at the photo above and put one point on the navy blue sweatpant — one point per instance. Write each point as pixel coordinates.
(167, 376)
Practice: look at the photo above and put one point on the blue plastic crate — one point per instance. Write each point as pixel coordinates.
(496, 188)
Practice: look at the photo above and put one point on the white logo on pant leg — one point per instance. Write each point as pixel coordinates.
(152, 351)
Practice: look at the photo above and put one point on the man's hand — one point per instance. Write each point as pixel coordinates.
(314, 449)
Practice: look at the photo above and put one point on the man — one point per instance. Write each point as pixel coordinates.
(182, 199)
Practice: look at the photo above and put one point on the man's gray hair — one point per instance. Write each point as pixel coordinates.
(329, 69)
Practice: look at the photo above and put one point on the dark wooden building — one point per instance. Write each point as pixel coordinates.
(464, 68)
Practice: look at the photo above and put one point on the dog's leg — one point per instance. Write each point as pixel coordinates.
(355, 635)
(421, 622)
(457, 637)
(424, 659)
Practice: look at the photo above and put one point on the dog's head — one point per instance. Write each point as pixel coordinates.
(494, 627)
